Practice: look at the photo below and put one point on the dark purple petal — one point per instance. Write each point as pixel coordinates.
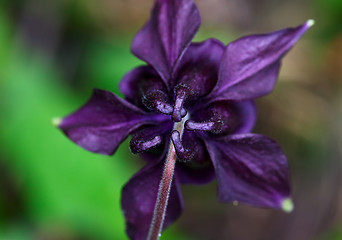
(250, 65)
(104, 122)
(257, 85)
(199, 67)
(200, 169)
(138, 82)
(139, 198)
(251, 169)
(166, 36)
(235, 117)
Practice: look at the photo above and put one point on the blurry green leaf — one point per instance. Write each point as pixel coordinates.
(65, 185)
(5, 39)
(107, 61)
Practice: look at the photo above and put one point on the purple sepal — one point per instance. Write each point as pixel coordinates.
(139, 197)
(198, 68)
(166, 36)
(250, 65)
(104, 122)
(250, 169)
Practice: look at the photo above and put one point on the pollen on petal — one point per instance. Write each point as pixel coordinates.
(56, 121)
(287, 205)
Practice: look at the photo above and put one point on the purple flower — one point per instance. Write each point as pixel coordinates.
(210, 88)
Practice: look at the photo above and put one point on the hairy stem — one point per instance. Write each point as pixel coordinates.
(165, 187)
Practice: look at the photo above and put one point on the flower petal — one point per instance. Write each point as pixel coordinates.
(250, 65)
(104, 122)
(251, 169)
(236, 117)
(199, 67)
(166, 36)
(139, 81)
(139, 198)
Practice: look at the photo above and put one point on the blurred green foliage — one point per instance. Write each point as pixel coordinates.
(61, 182)
(64, 186)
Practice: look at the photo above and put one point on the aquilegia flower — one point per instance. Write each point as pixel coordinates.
(205, 88)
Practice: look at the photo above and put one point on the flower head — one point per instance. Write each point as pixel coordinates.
(210, 88)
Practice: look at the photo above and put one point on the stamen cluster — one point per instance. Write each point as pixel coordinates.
(156, 100)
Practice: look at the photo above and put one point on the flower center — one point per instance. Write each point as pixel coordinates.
(157, 100)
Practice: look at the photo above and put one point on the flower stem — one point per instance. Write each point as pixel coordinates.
(165, 187)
